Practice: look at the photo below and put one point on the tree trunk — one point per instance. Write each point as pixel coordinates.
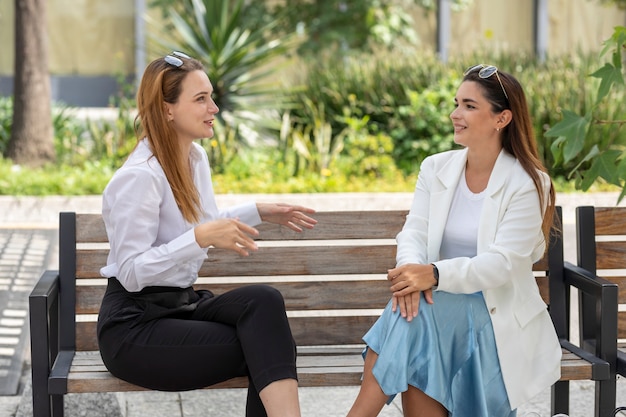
(31, 140)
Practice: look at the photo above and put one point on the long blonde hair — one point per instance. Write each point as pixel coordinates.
(162, 83)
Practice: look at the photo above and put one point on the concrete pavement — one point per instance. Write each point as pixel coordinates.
(36, 215)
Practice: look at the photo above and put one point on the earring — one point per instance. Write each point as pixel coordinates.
(497, 129)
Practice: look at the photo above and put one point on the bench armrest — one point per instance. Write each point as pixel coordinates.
(43, 303)
(46, 286)
(57, 382)
(587, 282)
(604, 295)
(600, 369)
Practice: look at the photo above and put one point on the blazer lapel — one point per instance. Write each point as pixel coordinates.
(493, 200)
(441, 199)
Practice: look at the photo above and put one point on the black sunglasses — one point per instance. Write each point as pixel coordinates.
(486, 71)
(175, 58)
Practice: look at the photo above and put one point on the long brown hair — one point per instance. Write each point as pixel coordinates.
(162, 83)
(518, 137)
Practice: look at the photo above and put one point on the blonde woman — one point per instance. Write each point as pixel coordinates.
(161, 217)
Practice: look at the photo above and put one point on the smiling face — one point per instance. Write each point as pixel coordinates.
(474, 120)
(193, 114)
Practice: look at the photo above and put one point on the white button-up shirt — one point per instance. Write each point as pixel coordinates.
(151, 243)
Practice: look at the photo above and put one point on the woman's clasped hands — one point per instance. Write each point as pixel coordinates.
(407, 284)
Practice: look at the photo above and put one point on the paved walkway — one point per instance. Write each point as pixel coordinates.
(28, 246)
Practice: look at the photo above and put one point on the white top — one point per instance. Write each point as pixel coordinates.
(151, 243)
(461, 231)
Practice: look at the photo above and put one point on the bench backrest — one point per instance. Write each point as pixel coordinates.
(601, 249)
(333, 277)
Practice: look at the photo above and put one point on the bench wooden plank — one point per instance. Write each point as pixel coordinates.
(331, 225)
(307, 377)
(610, 221)
(298, 295)
(294, 260)
(610, 255)
(620, 281)
(88, 373)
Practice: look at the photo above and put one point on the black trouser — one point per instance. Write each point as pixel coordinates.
(206, 340)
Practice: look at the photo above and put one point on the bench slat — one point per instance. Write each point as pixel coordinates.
(610, 255)
(300, 260)
(307, 377)
(621, 325)
(620, 281)
(309, 295)
(610, 220)
(331, 226)
(88, 373)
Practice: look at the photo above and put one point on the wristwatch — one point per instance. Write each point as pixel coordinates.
(436, 273)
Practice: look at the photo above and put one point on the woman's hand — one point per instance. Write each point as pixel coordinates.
(409, 304)
(227, 234)
(293, 217)
(408, 281)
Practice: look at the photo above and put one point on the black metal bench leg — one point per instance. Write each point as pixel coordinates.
(560, 398)
(57, 405)
(41, 399)
(605, 398)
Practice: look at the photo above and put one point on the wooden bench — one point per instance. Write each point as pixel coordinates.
(333, 282)
(601, 250)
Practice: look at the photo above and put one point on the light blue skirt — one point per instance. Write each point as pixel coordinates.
(448, 351)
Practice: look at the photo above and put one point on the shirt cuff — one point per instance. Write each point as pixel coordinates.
(185, 247)
(246, 213)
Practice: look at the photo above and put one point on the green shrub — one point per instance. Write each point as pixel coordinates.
(410, 97)
(366, 155)
(422, 127)
(385, 89)
(89, 178)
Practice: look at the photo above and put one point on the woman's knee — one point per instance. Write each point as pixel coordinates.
(267, 295)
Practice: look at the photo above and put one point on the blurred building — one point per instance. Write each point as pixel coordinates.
(96, 47)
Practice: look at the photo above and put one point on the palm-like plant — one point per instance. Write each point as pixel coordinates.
(236, 52)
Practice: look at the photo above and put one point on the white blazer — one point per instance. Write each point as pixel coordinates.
(509, 242)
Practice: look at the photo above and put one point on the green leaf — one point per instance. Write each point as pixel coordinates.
(574, 129)
(621, 173)
(604, 166)
(608, 75)
(557, 151)
(595, 151)
(616, 41)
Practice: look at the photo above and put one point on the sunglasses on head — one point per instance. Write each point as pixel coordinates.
(486, 71)
(175, 58)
